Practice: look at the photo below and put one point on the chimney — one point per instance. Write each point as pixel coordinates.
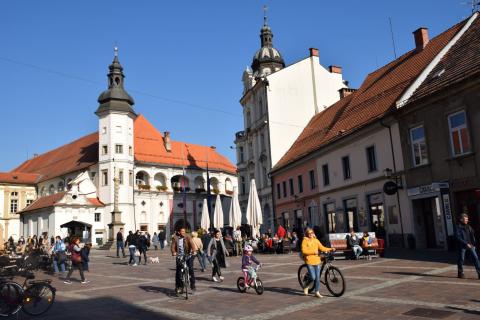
(346, 92)
(167, 142)
(421, 38)
(35, 155)
(313, 52)
(335, 69)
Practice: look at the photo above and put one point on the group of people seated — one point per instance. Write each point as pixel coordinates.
(359, 245)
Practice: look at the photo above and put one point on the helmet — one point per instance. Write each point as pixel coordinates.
(248, 248)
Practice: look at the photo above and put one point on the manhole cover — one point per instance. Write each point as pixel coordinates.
(429, 313)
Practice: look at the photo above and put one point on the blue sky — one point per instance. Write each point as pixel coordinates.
(183, 60)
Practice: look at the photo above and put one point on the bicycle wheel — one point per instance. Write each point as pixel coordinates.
(11, 294)
(259, 286)
(304, 278)
(241, 285)
(38, 298)
(186, 282)
(334, 281)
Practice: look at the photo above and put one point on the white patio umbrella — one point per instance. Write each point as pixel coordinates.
(235, 213)
(205, 220)
(254, 209)
(218, 214)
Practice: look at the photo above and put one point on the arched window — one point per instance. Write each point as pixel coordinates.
(160, 182)
(199, 184)
(51, 189)
(142, 179)
(249, 119)
(228, 186)
(214, 185)
(60, 186)
(43, 192)
(179, 182)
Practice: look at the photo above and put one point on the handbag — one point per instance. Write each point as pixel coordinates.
(76, 258)
(137, 253)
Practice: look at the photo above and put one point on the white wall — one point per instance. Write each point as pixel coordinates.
(291, 102)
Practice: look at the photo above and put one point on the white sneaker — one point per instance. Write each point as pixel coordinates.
(214, 279)
(305, 291)
(67, 282)
(221, 278)
(85, 282)
(134, 265)
(318, 295)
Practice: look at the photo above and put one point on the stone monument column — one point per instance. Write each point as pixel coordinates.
(117, 224)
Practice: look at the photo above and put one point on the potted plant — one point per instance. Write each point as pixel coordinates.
(144, 187)
(229, 192)
(216, 190)
(162, 188)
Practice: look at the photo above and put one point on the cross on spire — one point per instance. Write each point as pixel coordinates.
(265, 8)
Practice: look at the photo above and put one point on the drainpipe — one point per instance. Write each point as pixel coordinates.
(395, 171)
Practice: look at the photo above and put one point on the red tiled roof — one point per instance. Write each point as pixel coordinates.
(52, 200)
(18, 177)
(460, 62)
(149, 147)
(374, 99)
(75, 156)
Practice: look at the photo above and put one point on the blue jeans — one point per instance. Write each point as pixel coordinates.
(120, 246)
(132, 255)
(314, 271)
(201, 260)
(55, 266)
(461, 259)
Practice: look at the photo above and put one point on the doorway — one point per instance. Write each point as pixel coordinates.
(424, 210)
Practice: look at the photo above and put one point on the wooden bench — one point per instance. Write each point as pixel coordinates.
(339, 242)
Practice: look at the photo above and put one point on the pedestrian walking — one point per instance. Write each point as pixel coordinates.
(161, 238)
(76, 261)
(237, 238)
(217, 253)
(120, 245)
(199, 249)
(466, 242)
(155, 241)
(143, 244)
(131, 243)
(311, 248)
(85, 253)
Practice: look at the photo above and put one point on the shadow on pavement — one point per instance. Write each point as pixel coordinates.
(96, 308)
(422, 255)
(285, 291)
(464, 310)
(226, 289)
(167, 291)
(404, 273)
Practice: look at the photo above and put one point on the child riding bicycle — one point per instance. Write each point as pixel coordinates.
(247, 265)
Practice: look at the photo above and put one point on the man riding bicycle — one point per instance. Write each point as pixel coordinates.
(182, 246)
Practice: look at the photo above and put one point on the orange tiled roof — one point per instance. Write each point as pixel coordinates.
(18, 177)
(52, 200)
(460, 62)
(75, 156)
(374, 99)
(149, 147)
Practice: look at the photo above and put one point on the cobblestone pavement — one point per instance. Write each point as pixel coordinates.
(383, 288)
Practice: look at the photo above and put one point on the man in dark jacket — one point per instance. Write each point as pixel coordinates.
(353, 243)
(131, 244)
(161, 239)
(466, 242)
(183, 246)
(142, 247)
(120, 243)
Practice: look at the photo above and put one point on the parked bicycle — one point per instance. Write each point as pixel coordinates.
(34, 297)
(184, 273)
(334, 280)
(252, 281)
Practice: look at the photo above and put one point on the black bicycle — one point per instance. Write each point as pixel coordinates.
(334, 280)
(184, 273)
(34, 297)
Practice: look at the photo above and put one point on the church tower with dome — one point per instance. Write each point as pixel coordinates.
(278, 101)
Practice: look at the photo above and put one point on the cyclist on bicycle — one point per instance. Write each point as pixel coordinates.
(247, 261)
(182, 245)
(311, 248)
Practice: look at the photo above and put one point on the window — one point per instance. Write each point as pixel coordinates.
(118, 129)
(29, 202)
(130, 178)
(290, 182)
(120, 177)
(300, 183)
(14, 194)
(265, 176)
(241, 154)
(104, 150)
(284, 185)
(244, 188)
(250, 150)
(346, 167)
(419, 146)
(313, 184)
(262, 141)
(118, 148)
(130, 151)
(371, 159)
(104, 177)
(459, 137)
(279, 193)
(97, 216)
(104, 130)
(326, 177)
(60, 186)
(331, 217)
(13, 205)
(93, 174)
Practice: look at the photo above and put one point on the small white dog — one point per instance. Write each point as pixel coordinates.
(154, 260)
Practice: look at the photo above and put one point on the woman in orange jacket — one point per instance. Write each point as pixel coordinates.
(311, 247)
